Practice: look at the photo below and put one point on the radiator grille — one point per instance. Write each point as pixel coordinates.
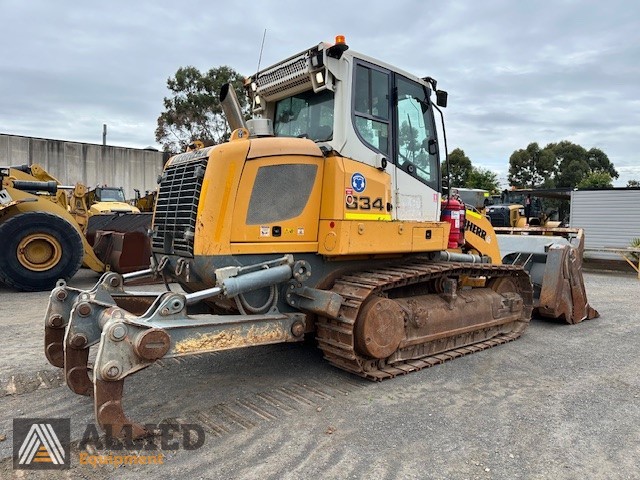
(268, 204)
(176, 209)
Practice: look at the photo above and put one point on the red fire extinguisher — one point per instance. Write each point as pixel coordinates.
(453, 212)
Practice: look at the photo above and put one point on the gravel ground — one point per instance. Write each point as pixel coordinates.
(561, 402)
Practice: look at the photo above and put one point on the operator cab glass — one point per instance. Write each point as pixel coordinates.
(109, 195)
(403, 131)
(307, 114)
(371, 107)
(415, 132)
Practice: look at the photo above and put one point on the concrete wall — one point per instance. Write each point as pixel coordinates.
(91, 164)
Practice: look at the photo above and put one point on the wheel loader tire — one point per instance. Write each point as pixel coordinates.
(37, 249)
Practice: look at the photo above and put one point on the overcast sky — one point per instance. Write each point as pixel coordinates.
(516, 71)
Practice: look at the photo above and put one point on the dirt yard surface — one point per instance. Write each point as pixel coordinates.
(562, 402)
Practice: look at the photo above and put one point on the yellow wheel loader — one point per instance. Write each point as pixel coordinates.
(117, 230)
(40, 241)
(44, 232)
(521, 208)
(109, 200)
(321, 215)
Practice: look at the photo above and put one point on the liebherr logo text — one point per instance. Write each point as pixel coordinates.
(473, 228)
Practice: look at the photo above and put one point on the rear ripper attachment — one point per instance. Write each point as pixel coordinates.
(376, 323)
(133, 330)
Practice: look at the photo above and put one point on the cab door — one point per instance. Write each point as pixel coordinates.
(416, 152)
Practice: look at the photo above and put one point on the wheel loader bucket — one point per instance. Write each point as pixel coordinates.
(553, 258)
(120, 240)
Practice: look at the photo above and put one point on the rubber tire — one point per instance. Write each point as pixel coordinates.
(16, 275)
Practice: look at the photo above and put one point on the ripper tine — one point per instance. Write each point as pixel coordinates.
(76, 371)
(84, 330)
(109, 412)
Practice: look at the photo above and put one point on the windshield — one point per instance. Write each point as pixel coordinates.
(415, 130)
(306, 114)
(110, 195)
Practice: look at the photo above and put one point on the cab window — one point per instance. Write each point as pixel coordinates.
(371, 107)
(306, 114)
(415, 132)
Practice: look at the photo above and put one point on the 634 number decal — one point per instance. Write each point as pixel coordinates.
(354, 202)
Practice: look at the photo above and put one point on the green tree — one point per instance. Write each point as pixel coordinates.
(193, 110)
(575, 163)
(596, 180)
(460, 168)
(484, 179)
(599, 162)
(531, 167)
(633, 183)
(408, 140)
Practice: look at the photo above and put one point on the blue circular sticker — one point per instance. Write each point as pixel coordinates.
(358, 182)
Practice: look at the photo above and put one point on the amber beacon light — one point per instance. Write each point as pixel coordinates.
(338, 48)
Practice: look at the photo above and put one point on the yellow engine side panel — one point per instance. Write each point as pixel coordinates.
(299, 228)
(341, 199)
(378, 237)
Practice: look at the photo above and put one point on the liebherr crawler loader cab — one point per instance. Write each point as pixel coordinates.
(365, 110)
(320, 215)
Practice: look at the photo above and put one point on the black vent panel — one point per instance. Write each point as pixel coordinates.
(176, 209)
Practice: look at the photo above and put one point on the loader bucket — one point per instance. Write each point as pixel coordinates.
(120, 240)
(553, 258)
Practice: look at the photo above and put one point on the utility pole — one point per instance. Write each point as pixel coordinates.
(104, 134)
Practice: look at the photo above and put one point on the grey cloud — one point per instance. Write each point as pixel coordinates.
(516, 72)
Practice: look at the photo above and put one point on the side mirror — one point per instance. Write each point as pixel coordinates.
(441, 98)
(432, 147)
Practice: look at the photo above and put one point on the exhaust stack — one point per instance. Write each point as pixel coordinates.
(231, 107)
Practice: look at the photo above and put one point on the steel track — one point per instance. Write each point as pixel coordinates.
(336, 337)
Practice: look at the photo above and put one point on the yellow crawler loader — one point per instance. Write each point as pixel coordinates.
(321, 215)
